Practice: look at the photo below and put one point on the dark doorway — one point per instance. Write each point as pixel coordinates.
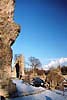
(17, 70)
(2, 98)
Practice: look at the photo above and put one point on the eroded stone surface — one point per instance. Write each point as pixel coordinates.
(7, 9)
(8, 33)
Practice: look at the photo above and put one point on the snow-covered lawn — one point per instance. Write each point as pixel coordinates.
(28, 92)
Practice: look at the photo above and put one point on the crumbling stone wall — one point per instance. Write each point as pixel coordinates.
(19, 65)
(8, 33)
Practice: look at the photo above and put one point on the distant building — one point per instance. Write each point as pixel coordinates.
(18, 70)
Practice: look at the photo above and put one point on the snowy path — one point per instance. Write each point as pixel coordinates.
(26, 89)
(44, 95)
(47, 95)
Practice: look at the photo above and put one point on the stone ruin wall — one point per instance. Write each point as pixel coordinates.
(20, 61)
(8, 33)
(21, 65)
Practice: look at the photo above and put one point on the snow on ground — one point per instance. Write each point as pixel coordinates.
(61, 92)
(33, 93)
(26, 89)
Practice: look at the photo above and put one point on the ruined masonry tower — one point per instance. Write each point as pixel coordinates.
(20, 62)
(8, 33)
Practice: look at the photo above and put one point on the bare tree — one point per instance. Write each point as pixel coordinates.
(34, 63)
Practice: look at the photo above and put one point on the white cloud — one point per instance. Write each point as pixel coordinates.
(55, 63)
(62, 60)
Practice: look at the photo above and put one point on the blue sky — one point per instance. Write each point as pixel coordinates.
(43, 29)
